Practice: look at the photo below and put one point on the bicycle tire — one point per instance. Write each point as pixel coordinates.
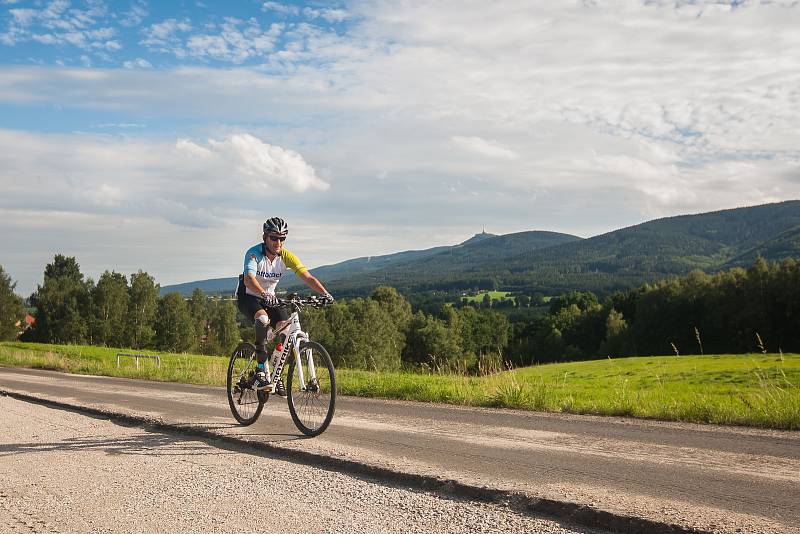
(312, 410)
(245, 403)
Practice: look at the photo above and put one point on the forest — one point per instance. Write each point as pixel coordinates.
(739, 310)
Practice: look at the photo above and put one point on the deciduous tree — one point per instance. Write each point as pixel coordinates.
(174, 329)
(199, 309)
(11, 309)
(142, 309)
(224, 330)
(110, 310)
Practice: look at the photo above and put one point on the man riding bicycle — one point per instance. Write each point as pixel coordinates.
(264, 264)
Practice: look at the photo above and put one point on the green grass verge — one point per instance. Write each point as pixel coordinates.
(493, 295)
(751, 389)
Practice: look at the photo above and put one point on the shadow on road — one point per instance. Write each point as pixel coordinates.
(146, 443)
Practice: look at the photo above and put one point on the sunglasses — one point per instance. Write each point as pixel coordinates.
(280, 238)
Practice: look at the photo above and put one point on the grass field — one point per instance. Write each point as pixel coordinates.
(749, 389)
(494, 295)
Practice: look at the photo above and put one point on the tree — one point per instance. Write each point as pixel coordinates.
(582, 299)
(62, 303)
(372, 338)
(432, 342)
(11, 309)
(398, 310)
(142, 309)
(200, 313)
(394, 303)
(223, 332)
(491, 332)
(63, 267)
(109, 310)
(316, 323)
(174, 328)
(617, 340)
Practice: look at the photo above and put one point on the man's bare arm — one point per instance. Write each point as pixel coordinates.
(313, 283)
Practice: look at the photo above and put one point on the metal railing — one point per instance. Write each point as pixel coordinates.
(137, 356)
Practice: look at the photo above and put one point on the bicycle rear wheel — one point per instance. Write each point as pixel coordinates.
(312, 404)
(246, 403)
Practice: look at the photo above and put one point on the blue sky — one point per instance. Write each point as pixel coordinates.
(159, 135)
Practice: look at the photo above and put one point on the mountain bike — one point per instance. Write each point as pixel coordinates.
(310, 382)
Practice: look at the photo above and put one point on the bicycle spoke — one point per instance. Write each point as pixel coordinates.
(245, 402)
(312, 407)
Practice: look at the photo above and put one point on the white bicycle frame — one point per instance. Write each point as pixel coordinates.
(293, 336)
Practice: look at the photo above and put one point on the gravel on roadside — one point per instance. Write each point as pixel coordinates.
(62, 472)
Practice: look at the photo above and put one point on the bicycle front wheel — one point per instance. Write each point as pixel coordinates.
(312, 399)
(246, 403)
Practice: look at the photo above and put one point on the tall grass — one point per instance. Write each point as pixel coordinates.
(89, 360)
(752, 389)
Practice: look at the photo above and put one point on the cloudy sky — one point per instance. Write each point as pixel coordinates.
(159, 135)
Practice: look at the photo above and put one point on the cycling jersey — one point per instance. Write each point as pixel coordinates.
(267, 272)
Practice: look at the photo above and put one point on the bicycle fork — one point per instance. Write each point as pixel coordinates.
(278, 368)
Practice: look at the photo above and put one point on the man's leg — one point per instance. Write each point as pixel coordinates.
(262, 326)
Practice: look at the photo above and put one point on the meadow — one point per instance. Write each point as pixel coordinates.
(761, 390)
(493, 295)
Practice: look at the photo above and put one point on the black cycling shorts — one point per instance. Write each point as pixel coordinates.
(249, 305)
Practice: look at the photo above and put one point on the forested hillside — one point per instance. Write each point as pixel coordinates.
(552, 263)
(614, 261)
(365, 266)
(476, 260)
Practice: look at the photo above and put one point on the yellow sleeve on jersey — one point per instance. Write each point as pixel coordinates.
(293, 262)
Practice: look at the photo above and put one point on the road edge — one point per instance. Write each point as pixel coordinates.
(562, 510)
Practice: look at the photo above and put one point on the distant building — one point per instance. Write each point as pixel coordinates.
(30, 320)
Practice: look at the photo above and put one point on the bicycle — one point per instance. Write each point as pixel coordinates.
(311, 395)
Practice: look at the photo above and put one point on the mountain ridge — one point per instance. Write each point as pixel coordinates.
(551, 262)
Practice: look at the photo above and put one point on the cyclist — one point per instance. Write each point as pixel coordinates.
(264, 264)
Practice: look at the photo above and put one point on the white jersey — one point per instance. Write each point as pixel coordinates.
(268, 273)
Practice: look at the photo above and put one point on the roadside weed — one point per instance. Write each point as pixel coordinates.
(756, 389)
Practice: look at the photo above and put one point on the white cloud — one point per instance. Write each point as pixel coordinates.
(264, 167)
(491, 149)
(58, 24)
(133, 17)
(121, 125)
(24, 17)
(182, 182)
(329, 14)
(235, 41)
(278, 7)
(165, 35)
(138, 63)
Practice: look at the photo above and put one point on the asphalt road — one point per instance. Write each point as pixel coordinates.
(713, 478)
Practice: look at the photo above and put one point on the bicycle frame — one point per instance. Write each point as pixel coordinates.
(293, 335)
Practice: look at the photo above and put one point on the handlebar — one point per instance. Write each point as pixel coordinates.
(313, 301)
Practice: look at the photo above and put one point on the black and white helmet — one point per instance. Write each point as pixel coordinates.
(276, 225)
